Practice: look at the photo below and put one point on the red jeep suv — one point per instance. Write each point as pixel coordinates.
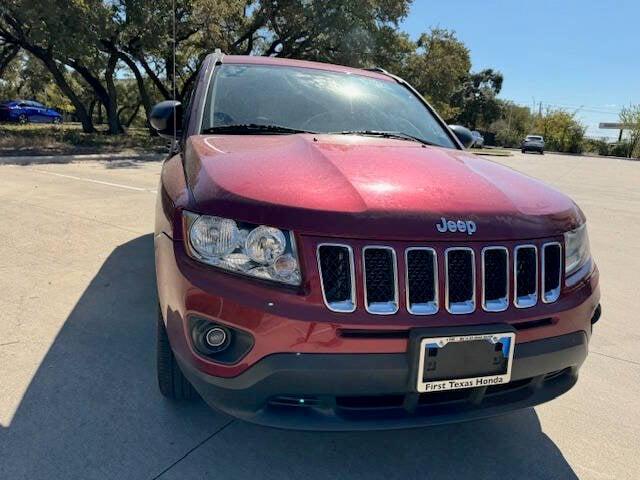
(330, 257)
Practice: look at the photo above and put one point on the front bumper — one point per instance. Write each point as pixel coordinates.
(372, 391)
(353, 371)
(533, 148)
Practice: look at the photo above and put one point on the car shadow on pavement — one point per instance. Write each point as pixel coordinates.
(92, 410)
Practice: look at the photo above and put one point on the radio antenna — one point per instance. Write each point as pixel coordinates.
(173, 75)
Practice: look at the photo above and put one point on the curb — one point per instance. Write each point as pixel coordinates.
(35, 159)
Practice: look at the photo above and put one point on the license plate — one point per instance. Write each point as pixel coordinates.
(465, 361)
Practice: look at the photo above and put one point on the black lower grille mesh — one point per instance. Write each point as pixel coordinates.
(420, 276)
(526, 265)
(379, 275)
(335, 268)
(495, 274)
(460, 275)
(552, 265)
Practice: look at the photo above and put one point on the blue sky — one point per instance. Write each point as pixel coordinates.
(563, 53)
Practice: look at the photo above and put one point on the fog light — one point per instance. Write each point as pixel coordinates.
(216, 337)
(217, 342)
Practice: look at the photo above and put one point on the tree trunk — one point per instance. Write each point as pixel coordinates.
(92, 107)
(168, 65)
(61, 82)
(142, 89)
(7, 55)
(108, 96)
(115, 127)
(133, 115)
(45, 56)
(152, 75)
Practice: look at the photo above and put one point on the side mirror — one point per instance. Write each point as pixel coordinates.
(166, 118)
(464, 135)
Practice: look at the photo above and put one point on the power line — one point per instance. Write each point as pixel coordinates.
(582, 108)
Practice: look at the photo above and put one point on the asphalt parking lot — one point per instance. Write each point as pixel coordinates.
(78, 397)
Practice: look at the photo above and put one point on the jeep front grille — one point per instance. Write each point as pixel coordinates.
(337, 276)
(426, 286)
(460, 283)
(525, 267)
(495, 279)
(421, 280)
(551, 271)
(380, 280)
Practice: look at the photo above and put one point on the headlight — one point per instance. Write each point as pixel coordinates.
(576, 249)
(255, 250)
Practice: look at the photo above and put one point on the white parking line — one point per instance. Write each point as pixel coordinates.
(91, 180)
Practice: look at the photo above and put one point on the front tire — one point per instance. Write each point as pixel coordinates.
(23, 119)
(171, 381)
(524, 151)
(56, 120)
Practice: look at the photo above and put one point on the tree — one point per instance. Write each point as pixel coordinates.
(44, 29)
(561, 131)
(631, 116)
(437, 69)
(513, 124)
(89, 56)
(476, 101)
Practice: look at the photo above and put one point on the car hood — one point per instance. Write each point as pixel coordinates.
(366, 187)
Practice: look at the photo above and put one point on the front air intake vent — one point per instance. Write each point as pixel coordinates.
(421, 280)
(551, 271)
(337, 277)
(380, 280)
(525, 266)
(460, 280)
(495, 279)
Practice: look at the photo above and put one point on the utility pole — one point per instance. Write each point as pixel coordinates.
(540, 110)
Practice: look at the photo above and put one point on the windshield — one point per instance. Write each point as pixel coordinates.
(534, 138)
(317, 101)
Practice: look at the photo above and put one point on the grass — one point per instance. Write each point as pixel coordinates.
(495, 151)
(68, 138)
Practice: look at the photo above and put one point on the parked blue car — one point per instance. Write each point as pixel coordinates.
(27, 111)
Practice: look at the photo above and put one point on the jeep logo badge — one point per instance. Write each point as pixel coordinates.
(445, 225)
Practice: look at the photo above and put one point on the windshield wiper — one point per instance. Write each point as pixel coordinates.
(387, 134)
(249, 128)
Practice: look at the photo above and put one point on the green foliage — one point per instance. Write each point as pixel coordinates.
(620, 149)
(476, 99)
(115, 57)
(437, 69)
(514, 123)
(561, 131)
(631, 116)
(600, 146)
(68, 138)
(27, 78)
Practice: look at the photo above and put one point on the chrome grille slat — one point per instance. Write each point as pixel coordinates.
(525, 276)
(380, 271)
(495, 279)
(460, 280)
(337, 276)
(551, 271)
(421, 280)
(536, 275)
